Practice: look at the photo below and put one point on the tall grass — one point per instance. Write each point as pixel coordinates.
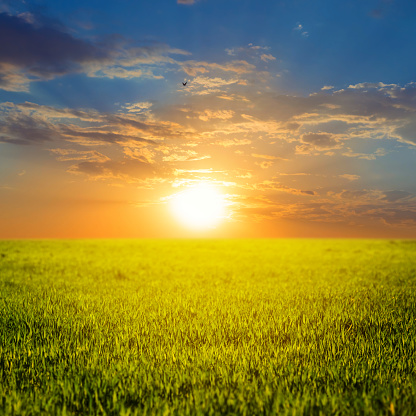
(208, 327)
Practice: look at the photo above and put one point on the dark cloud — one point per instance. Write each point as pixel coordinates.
(359, 195)
(408, 132)
(393, 196)
(44, 51)
(20, 128)
(292, 126)
(401, 215)
(34, 47)
(321, 140)
(129, 170)
(96, 136)
(364, 195)
(31, 123)
(398, 216)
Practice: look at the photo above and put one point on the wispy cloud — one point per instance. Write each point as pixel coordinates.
(299, 28)
(203, 85)
(194, 68)
(251, 52)
(349, 177)
(65, 155)
(125, 170)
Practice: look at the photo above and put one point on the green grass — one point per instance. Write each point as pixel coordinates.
(208, 327)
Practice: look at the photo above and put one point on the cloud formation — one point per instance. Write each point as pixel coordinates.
(282, 156)
(193, 68)
(40, 51)
(126, 170)
(30, 123)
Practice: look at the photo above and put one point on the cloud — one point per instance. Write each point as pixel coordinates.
(126, 170)
(233, 97)
(317, 142)
(203, 85)
(368, 156)
(42, 52)
(143, 154)
(64, 155)
(189, 2)
(193, 68)
(376, 195)
(13, 79)
(138, 107)
(30, 123)
(207, 115)
(25, 129)
(330, 122)
(186, 156)
(360, 195)
(407, 132)
(264, 164)
(276, 186)
(266, 57)
(80, 135)
(371, 85)
(233, 142)
(393, 196)
(299, 28)
(393, 208)
(315, 124)
(397, 217)
(251, 52)
(38, 50)
(349, 177)
(355, 208)
(378, 111)
(236, 140)
(269, 157)
(320, 140)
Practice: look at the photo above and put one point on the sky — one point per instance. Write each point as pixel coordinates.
(300, 114)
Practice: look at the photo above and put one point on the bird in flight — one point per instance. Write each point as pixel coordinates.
(184, 83)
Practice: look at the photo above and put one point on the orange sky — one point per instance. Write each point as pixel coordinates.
(53, 203)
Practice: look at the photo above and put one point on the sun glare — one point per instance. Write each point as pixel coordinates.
(199, 207)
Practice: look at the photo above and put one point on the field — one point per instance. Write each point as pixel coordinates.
(208, 327)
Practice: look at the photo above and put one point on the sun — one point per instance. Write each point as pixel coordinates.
(200, 207)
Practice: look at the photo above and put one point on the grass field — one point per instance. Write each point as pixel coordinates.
(208, 327)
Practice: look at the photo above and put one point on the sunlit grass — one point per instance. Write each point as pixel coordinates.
(208, 327)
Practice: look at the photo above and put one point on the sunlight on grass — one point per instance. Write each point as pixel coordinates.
(207, 327)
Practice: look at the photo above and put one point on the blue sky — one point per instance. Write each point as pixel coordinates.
(301, 112)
